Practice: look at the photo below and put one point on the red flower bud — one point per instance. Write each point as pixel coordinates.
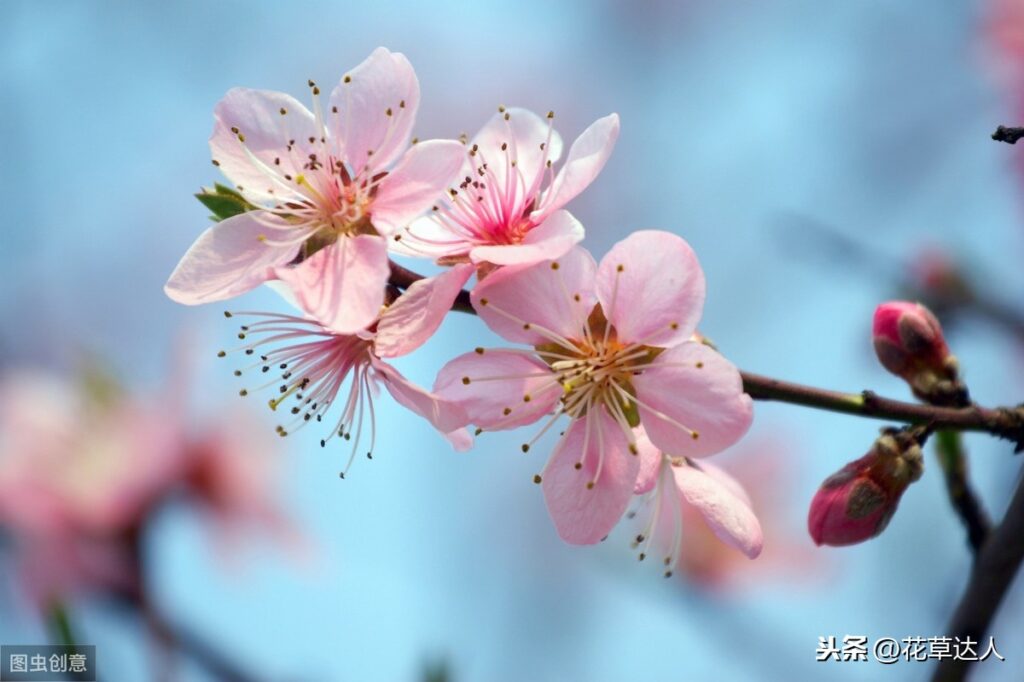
(856, 503)
(909, 343)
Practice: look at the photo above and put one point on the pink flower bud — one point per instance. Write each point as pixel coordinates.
(909, 343)
(856, 503)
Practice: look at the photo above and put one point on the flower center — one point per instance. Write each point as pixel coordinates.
(597, 369)
(492, 206)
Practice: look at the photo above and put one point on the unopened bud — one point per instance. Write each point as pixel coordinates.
(857, 502)
(909, 343)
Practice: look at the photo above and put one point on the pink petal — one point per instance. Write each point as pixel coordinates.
(652, 288)
(427, 237)
(228, 259)
(583, 515)
(342, 285)
(445, 415)
(267, 132)
(385, 80)
(587, 157)
(523, 134)
(415, 316)
(694, 387)
(460, 439)
(551, 239)
(416, 183)
(486, 401)
(651, 459)
(726, 479)
(542, 295)
(727, 515)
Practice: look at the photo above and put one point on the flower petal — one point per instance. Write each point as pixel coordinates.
(585, 515)
(542, 295)
(587, 157)
(551, 239)
(460, 439)
(692, 389)
(726, 514)
(651, 459)
(498, 404)
(416, 183)
(445, 415)
(428, 237)
(415, 316)
(651, 287)
(228, 259)
(256, 115)
(370, 137)
(342, 285)
(525, 137)
(726, 479)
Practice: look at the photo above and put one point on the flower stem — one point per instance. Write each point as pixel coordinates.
(1005, 423)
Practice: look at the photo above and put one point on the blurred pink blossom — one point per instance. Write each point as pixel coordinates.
(84, 471)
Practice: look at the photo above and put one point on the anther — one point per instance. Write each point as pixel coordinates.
(526, 447)
(478, 350)
(465, 381)
(536, 478)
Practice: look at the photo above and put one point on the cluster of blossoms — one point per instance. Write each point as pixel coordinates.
(85, 468)
(323, 199)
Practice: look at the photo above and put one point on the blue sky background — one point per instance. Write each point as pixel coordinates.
(872, 117)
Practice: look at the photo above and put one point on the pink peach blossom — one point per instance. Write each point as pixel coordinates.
(334, 183)
(69, 460)
(675, 488)
(508, 206)
(317, 362)
(611, 348)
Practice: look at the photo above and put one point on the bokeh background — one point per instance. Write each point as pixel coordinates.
(750, 130)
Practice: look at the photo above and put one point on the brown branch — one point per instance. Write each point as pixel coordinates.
(950, 450)
(993, 573)
(1005, 423)
(1008, 135)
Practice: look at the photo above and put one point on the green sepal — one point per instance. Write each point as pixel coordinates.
(224, 202)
